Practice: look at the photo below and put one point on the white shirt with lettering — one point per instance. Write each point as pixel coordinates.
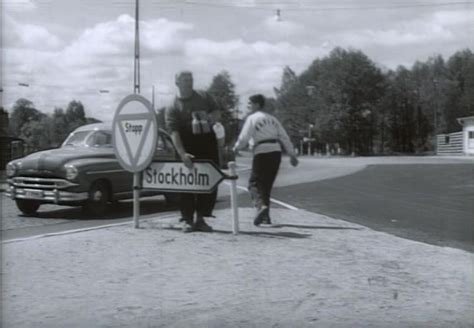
(261, 126)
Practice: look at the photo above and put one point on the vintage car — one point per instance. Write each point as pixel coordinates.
(83, 171)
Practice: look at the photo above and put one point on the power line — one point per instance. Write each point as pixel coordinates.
(291, 6)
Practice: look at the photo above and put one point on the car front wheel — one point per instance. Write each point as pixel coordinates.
(28, 206)
(98, 202)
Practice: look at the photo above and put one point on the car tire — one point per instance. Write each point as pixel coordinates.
(99, 197)
(171, 198)
(28, 206)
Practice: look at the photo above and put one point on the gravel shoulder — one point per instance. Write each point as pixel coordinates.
(307, 271)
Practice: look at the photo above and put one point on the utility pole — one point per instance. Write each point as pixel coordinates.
(136, 90)
(435, 116)
(136, 77)
(153, 96)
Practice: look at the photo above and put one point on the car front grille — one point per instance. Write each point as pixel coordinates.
(41, 183)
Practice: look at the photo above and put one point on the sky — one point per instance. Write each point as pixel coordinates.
(72, 49)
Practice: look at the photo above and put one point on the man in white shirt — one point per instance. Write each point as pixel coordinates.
(268, 136)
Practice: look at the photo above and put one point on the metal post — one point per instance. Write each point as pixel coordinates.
(136, 77)
(233, 199)
(309, 141)
(136, 89)
(136, 199)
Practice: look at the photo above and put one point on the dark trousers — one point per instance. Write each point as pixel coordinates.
(264, 171)
(202, 147)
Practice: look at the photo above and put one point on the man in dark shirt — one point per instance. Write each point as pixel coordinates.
(189, 120)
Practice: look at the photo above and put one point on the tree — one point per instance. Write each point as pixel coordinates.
(293, 105)
(75, 115)
(59, 127)
(223, 91)
(36, 134)
(460, 93)
(347, 90)
(23, 112)
(4, 122)
(288, 79)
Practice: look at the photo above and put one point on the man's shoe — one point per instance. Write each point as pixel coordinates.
(261, 215)
(186, 227)
(267, 220)
(202, 226)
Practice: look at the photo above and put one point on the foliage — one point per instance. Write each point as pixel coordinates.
(222, 90)
(75, 115)
(35, 135)
(41, 131)
(23, 111)
(352, 105)
(4, 122)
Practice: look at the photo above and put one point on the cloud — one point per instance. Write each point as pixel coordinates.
(439, 32)
(452, 18)
(435, 28)
(100, 57)
(115, 40)
(24, 35)
(395, 37)
(282, 27)
(18, 5)
(254, 67)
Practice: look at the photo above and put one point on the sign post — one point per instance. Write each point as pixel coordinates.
(233, 199)
(134, 133)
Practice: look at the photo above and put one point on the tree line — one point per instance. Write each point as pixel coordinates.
(42, 131)
(344, 101)
(347, 102)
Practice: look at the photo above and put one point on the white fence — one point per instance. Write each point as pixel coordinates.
(450, 144)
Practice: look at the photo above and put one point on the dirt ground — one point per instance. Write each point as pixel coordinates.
(307, 270)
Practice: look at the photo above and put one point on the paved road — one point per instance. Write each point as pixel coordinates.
(53, 218)
(416, 198)
(428, 203)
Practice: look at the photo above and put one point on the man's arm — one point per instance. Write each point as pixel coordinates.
(285, 140)
(172, 122)
(185, 157)
(245, 135)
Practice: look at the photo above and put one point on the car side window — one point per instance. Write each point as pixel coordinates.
(161, 143)
(164, 144)
(100, 139)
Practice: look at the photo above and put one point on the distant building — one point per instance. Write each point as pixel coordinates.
(458, 143)
(10, 147)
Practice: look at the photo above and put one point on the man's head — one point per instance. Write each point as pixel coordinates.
(256, 102)
(184, 82)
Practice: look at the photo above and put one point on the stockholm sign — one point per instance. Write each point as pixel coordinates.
(175, 176)
(135, 132)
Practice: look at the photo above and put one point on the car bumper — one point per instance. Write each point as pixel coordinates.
(47, 196)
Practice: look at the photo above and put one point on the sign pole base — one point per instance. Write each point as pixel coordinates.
(233, 199)
(136, 199)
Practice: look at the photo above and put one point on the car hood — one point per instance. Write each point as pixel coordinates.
(51, 162)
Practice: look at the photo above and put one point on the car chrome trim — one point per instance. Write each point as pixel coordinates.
(55, 196)
(105, 171)
(41, 183)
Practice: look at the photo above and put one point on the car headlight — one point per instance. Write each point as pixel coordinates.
(71, 172)
(10, 170)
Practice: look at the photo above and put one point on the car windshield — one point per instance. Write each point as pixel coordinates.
(76, 138)
(99, 139)
(89, 139)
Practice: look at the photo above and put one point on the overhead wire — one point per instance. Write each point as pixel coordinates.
(293, 6)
